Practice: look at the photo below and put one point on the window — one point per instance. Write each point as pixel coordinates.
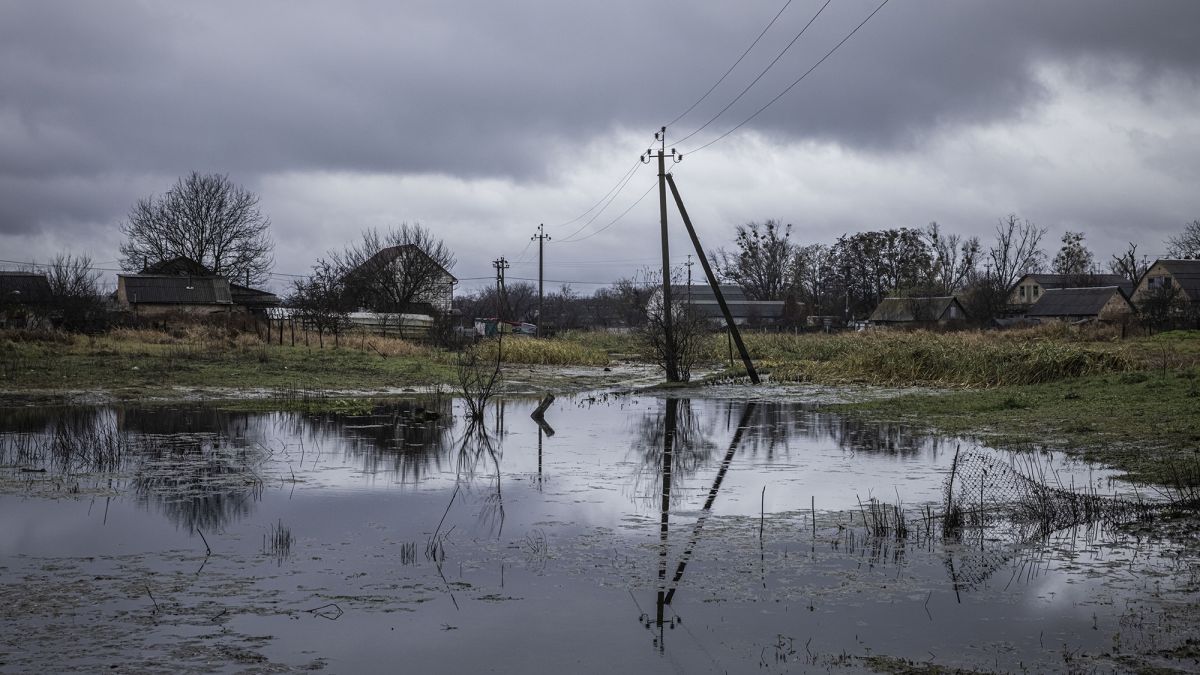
(1035, 290)
(1022, 292)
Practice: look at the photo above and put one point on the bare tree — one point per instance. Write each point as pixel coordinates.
(764, 263)
(321, 301)
(953, 260)
(393, 270)
(1187, 243)
(1017, 251)
(204, 217)
(74, 291)
(1128, 265)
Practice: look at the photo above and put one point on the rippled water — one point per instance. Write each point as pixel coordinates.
(407, 539)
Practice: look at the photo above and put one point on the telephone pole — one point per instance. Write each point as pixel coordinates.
(689, 264)
(501, 294)
(541, 236)
(672, 363)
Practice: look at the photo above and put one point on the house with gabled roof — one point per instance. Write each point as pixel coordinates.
(1169, 292)
(24, 297)
(1104, 303)
(919, 312)
(1030, 287)
(416, 274)
(182, 285)
(1164, 273)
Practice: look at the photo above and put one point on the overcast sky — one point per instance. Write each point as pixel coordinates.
(481, 120)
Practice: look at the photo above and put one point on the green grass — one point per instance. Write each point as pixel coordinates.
(141, 364)
(1146, 423)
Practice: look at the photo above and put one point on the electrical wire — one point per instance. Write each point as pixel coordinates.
(616, 185)
(735, 65)
(760, 75)
(629, 177)
(614, 220)
(794, 82)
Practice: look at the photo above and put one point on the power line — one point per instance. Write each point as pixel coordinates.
(794, 82)
(760, 75)
(628, 177)
(616, 185)
(614, 220)
(735, 65)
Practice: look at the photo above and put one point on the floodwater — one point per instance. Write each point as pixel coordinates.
(624, 534)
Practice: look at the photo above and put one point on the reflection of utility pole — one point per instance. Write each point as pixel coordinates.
(541, 236)
(501, 294)
(668, 460)
(743, 424)
(672, 364)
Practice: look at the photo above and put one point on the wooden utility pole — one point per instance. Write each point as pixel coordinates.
(712, 281)
(689, 264)
(501, 295)
(541, 236)
(672, 360)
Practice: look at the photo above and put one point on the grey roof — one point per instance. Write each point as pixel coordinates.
(905, 310)
(170, 289)
(24, 287)
(1048, 281)
(1186, 273)
(704, 302)
(391, 253)
(252, 297)
(1073, 302)
(704, 293)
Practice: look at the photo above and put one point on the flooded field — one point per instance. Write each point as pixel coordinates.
(624, 533)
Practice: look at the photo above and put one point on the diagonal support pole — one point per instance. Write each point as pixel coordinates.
(712, 281)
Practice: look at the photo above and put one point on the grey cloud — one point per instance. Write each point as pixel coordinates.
(102, 103)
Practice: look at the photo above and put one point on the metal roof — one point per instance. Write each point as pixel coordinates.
(1048, 281)
(171, 289)
(905, 310)
(1186, 274)
(24, 287)
(1079, 302)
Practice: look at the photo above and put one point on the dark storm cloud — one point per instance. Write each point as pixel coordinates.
(102, 103)
(486, 88)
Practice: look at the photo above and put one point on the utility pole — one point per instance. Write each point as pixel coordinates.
(541, 236)
(672, 362)
(689, 264)
(501, 295)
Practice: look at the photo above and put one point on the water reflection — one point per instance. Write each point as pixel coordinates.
(674, 440)
(671, 439)
(408, 440)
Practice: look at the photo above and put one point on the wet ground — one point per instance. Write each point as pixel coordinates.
(625, 533)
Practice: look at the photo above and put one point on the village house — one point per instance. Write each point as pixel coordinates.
(184, 286)
(703, 300)
(24, 298)
(1170, 292)
(919, 312)
(1030, 287)
(1163, 274)
(430, 284)
(1105, 303)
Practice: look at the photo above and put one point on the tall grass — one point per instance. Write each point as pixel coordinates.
(947, 359)
(545, 352)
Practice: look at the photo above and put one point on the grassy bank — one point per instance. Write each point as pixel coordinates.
(1146, 423)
